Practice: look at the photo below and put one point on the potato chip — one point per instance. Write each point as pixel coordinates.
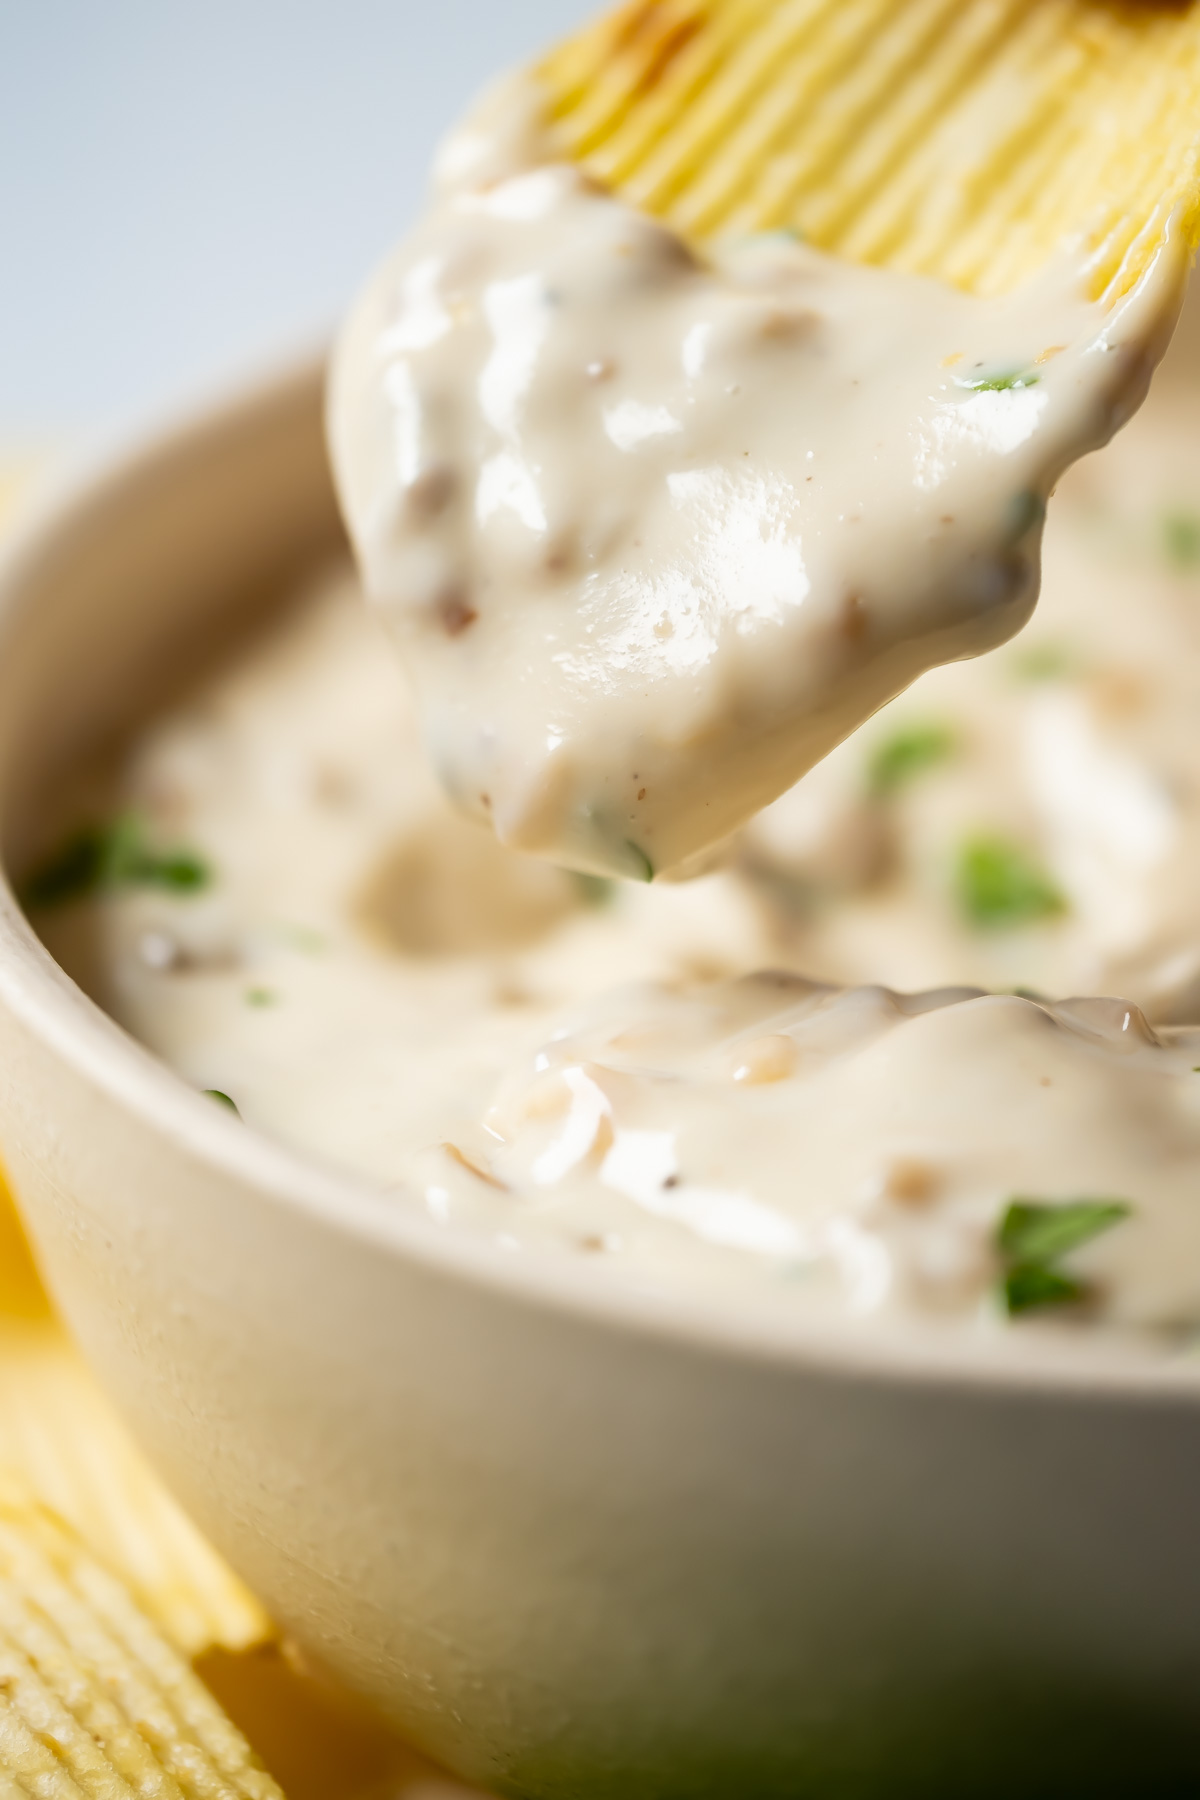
(93, 1698)
(61, 1440)
(962, 139)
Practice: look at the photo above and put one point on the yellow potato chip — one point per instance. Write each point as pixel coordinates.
(73, 1636)
(93, 1698)
(62, 1442)
(962, 139)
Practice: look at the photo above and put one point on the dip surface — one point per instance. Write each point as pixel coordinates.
(655, 532)
(594, 1071)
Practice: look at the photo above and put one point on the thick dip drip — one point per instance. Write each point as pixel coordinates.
(654, 533)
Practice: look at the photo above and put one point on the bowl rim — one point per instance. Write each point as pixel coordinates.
(39, 993)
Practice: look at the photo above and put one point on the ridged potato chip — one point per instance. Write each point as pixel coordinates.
(962, 139)
(93, 1698)
(64, 1445)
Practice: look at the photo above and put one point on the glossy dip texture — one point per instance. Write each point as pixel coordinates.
(570, 1067)
(655, 528)
(655, 532)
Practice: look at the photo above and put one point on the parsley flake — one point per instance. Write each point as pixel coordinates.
(908, 752)
(1000, 885)
(1042, 1230)
(1029, 1285)
(98, 858)
(1032, 1238)
(222, 1100)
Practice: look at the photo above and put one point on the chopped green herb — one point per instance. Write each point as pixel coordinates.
(906, 753)
(99, 857)
(643, 868)
(1043, 1230)
(1181, 539)
(1034, 1235)
(181, 870)
(1000, 885)
(127, 860)
(72, 870)
(222, 1100)
(260, 996)
(1043, 662)
(594, 890)
(1028, 1285)
(998, 384)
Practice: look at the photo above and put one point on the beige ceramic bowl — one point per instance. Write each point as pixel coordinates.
(577, 1544)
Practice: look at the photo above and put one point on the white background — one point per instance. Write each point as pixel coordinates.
(189, 186)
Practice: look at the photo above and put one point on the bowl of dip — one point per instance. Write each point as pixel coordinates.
(597, 1476)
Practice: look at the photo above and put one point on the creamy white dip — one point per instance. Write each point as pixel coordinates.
(655, 531)
(880, 1150)
(580, 1070)
(293, 915)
